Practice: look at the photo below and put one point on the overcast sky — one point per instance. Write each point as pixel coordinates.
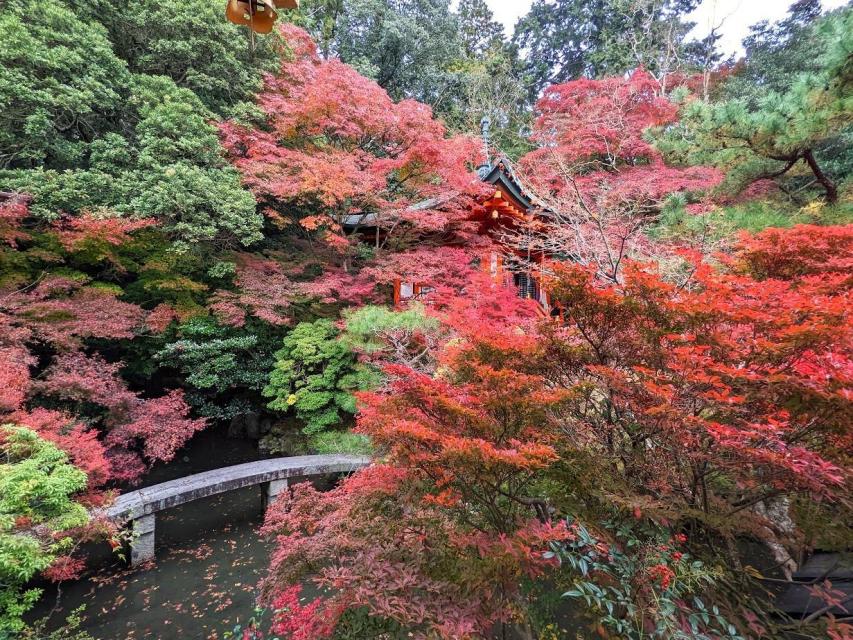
(738, 15)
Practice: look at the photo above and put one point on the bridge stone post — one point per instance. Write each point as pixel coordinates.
(272, 490)
(142, 543)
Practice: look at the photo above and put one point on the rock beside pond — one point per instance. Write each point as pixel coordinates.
(249, 425)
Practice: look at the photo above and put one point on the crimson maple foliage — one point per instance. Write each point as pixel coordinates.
(64, 568)
(46, 327)
(160, 425)
(601, 122)
(718, 365)
(334, 147)
(437, 538)
(798, 253)
(74, 233)
(448, 269)
(334, 161)
(727, 378)
(82, 443)
(14, 377)
(12, 213)
(262, 290)
(61, 311)
(599, 180)
(704, 406)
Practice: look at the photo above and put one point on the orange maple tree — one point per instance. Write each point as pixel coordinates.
(702, 407)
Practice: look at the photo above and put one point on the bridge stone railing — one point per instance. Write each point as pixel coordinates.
(139, 507)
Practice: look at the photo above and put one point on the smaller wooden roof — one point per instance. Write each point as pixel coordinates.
(501, 174)
(510, 198)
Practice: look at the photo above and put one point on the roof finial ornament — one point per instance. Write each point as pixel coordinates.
(485, 124)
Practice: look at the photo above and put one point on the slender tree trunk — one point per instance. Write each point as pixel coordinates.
(829, 186)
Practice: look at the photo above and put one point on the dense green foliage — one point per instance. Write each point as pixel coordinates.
(315, 375)
(84, 129)
(721, 224)
(777, 51)
(37, 487)
(370, 329)
(225, 368)
(478, 29)
(639, 549)
(405, 46)
(188, 42)
(57, 67)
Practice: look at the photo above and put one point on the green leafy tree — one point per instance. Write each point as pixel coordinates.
(408, 337)
(492, 87)
(776, 51)
(190, 43)
(408, 47)
(181, 175)
(80, 131)
(69, 631)
(490, 84)
(225, 368)
(61, 85)
(37, 486)
(315, 375)
(169, 168)
(479, 30)
(652, 587)
(569, 39)
(785, 133)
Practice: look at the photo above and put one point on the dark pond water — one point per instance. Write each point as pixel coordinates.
(209, 561)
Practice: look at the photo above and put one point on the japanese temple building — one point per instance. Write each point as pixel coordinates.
(508, 203)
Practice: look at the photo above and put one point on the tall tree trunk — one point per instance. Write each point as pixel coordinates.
(829, 186)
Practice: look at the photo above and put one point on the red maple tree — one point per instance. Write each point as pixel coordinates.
(598, 124)
(597, 179)
(438, 537)
(727, 377)
(46, 329)
(706, 407)
(337, 157)
(159, 425)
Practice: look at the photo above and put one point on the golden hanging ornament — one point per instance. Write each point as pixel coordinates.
(258, 15)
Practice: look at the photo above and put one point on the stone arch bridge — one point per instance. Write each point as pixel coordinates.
(141, 506)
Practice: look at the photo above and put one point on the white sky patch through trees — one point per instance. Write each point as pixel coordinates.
(737, 16)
